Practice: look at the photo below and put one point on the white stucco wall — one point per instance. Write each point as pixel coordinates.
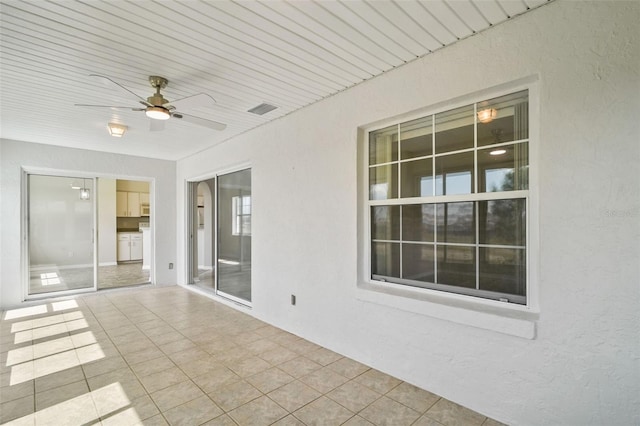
(16, 155)
(582, 365)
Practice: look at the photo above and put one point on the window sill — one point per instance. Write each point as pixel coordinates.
(513, 320)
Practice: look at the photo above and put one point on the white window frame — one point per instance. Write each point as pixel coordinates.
(509, 318)
(238, 214)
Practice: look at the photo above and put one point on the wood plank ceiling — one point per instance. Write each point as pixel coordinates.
(243, 53)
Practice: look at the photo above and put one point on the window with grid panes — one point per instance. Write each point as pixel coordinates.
(448, 199)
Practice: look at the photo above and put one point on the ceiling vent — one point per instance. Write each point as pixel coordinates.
(262, 109)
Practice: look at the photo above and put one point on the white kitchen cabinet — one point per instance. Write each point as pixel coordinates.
(128, 203)
(133, 201)
(144, 198)
(122, 204)
(129, 246)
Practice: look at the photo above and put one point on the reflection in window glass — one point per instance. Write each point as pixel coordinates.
(456, 222)
(416, 138)
(385, 222)
(454, 130)
(385, 259)
(383, 145)
(502, 222)
(418, 222)
(418, 262)
(416, 178)
(383, 182)
(456, 266)
(503, 270)
(508, 119)
(503, 168)
(454, 174)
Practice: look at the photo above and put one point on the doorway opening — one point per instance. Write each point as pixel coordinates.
(219, 227)
(81, 237)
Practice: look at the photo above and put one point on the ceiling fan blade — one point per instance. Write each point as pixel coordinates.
(199, 121)
(109, 106)
(156, 125)
(120, 86)
(193, 101)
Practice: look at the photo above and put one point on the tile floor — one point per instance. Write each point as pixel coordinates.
(157, 356)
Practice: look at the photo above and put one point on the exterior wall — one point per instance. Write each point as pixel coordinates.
(16, 155)
(581, 366)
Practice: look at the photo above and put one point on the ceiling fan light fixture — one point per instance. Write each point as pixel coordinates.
(117, 130)
(157, 113)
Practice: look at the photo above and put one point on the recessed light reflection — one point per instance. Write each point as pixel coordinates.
(498, 152)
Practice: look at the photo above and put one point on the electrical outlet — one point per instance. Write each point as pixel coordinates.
(171, 266)
(293, 299)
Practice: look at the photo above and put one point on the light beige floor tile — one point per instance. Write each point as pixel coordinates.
(175, 395)
(179, 345)
(234, 395)
(61, 378)
(166, 337)
(233, 355)
(55, 363)
(324, 380)
(387, 412)
(261, 345)
(185, 357)
(136, 411)
(95, 352)
(143, 355)
(259, 412)
(17, 355)
(450, 413)
(270, 379)
(303, 346)
(162, 379)
(146, 368)
(353, 396)
(103, 366)
(200, 366)
(124, 377)
(323, 411)
(348, 367)
(323, 356)
(294, 395)
(413, 397)
(223, 420)
(245, 338)
(278, 355)
(76, 411)
(299, 367)
(377, 381)
(216, 379)
(10, 393)
(249, 366)
(357, 421)
(16, 408)
(290, 420)
(136, 346)
(426, 421)
(156, 420)
(19, 373)
(194, 412)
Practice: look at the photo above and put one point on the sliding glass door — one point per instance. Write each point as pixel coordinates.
(219, 233)
(60, 225)
(234, 235)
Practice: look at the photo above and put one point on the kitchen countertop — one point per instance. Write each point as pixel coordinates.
(128, 230)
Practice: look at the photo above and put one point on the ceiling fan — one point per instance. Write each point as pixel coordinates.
(159, 109)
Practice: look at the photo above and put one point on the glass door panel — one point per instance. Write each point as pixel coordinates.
(234, 235)
(60, 234)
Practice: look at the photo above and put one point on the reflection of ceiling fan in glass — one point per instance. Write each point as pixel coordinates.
(159, 109)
